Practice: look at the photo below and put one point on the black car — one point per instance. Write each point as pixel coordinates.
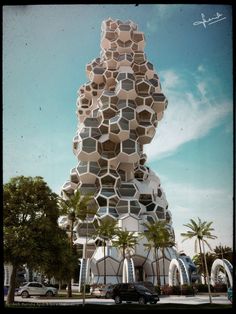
(133, 292)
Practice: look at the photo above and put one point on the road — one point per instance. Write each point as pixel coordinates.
(198, 299)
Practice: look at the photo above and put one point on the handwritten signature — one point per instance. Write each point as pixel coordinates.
(219, 17)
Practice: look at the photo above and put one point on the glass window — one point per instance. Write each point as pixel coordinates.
(102, 201)
(127, 85)
(145, 199)
(150, 207)
(108, 181)
(113, 212)
(89, 145)
(88, 188)
(91, 122)
(82, 167)
(108, 191)
(94, 167)
(127, 190)
(129, 146)
(124, 124)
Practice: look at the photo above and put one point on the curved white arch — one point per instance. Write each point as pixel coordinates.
(215, 268)
(128, 266)
(174, 266)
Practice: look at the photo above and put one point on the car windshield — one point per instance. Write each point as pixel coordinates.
(139, 287)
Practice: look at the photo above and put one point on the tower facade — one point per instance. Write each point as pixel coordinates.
(118, 112)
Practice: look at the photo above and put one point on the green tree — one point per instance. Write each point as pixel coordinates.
(158, 237)
(200, 230)
(77, 206)
(224, 252)
(30, 214)
(197, 259)
(106, 231)
(125, 239)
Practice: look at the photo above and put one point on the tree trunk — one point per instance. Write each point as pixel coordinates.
(104, 253)
(157, 267)
(69, 291)
(203, 266)
(11, 291)
(208, 279)
(163, 266)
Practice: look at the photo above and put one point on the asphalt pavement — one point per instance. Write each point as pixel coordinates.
(197, 299)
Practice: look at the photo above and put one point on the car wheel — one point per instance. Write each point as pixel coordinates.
(118, 300)
(49, 293)
(25, 294)
(108, 295)
(142, 300)
(153, 302)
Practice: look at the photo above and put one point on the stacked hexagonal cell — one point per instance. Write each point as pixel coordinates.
(118, 111)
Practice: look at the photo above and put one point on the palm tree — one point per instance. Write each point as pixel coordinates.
(202, 231)
(106, 231)
(125, 239)
(158, 237)
(76, 207)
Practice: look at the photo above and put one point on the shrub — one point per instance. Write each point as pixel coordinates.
(220, 287)
(170, 290)
(157, 289)
(202, 287)
(187, 290)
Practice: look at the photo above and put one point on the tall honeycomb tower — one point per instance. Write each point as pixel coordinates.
(118, 112)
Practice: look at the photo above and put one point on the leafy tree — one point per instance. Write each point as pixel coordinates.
(30, 214)
(197, 259)
(224, 252)
(125, 239)
(106, 231)
(77, 206)
(158, 237)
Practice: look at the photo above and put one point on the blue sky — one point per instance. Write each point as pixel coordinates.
(45, 50)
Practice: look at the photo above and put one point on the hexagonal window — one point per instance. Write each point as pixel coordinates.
(91, 122)
(144, 117)
(107, 191)
(112, 211)
(88, 188)
(128, 113)
(160, 212)
(110, 149)
(89, 145)
(127, 190)
(150, 207)
(122, 207)
(145, 199)
(143, 87)
(135, 207)
(108, 113)
(128, 147)
(102, 201)
(94, 167)
(84, 133)
(150, 219)
(95, 133)
(113, 201)
(127, 84)
(159, 192)
(108, 181)
(121, 76)
(102, 211)
(139, 57)
(82, 167)
(124, 124)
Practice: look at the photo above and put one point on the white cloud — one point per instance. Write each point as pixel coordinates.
(201, 86)
(201, 68)
(170, 79)
(187, 117)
